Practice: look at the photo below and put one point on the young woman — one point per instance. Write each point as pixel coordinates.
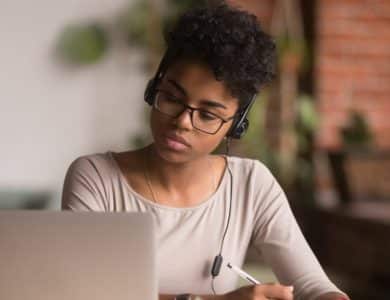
(205, 205)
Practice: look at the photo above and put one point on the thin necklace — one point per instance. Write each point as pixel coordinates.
(146, 174)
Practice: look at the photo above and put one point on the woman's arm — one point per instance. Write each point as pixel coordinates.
(249, 292)
(281, 243)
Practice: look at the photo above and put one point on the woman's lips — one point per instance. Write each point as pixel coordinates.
(174, 144)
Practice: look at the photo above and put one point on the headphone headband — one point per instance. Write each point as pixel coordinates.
(151, 87)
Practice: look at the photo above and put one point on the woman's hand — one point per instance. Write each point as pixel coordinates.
(266, 291)
(261, 292)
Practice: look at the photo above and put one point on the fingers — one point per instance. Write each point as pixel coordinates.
(274, 291)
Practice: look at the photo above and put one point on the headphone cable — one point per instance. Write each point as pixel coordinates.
(230, 209)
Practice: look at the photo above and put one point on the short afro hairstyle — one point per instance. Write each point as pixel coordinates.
(231, 42)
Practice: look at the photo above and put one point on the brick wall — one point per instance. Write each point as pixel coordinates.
(353, 66)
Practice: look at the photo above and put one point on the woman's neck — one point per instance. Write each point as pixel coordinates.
(175, 177)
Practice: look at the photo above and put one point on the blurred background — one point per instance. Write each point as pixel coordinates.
(72, 82)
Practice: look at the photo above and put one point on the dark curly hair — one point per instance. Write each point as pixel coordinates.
(231, 42)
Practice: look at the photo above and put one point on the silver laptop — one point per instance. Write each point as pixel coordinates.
(77, 256)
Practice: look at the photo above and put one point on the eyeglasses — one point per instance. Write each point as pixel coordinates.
(201, 119)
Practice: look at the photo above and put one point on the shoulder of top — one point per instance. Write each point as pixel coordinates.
(244, 162)
(96, 161)
(249, 165)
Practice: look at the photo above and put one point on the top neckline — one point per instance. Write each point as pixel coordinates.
(150, 202)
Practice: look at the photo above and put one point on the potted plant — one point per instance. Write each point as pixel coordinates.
(356, 138)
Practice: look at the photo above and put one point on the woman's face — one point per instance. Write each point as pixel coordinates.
(193, 84)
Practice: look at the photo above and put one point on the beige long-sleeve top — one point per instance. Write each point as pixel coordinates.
(188, 239)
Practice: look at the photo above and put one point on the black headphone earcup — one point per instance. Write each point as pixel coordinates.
(149, 92)
(239, 129)
(241, 123)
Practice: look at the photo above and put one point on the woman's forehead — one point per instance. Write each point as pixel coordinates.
(196, 78)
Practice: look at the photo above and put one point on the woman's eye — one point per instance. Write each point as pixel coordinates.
(207, 116)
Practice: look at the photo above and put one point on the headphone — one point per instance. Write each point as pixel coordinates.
(240, 121)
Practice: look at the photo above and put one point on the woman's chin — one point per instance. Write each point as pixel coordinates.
(172, 156)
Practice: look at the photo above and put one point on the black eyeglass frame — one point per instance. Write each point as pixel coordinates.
(192, 109)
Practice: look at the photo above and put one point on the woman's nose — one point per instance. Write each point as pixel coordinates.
(183, 120)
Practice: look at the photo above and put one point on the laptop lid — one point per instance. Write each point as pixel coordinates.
(50, 255)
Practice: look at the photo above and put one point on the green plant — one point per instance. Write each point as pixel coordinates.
(356, 134)
(255, 143)
(82, 44)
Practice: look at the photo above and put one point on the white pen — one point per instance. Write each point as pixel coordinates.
(243, 274)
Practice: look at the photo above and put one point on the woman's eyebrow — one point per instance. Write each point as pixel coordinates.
(211, 103)
(177, 86)
(205, 102)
